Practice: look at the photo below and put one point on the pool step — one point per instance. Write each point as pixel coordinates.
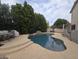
(4, 51)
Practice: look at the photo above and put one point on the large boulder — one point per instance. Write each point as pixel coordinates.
(14, 33)
(3, 32)
(5, 35)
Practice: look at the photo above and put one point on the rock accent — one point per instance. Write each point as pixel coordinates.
(5, 35)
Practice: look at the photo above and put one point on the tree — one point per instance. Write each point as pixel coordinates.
(5, 18)
(23, 17)
(29, 16)
(59, 23)
(17, 14)
(41, 23)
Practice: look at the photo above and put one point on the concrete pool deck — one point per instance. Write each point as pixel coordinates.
(22, 48)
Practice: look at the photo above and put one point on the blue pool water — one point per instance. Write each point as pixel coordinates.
(48, 42)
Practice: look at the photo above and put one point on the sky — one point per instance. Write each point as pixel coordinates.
(51, 9)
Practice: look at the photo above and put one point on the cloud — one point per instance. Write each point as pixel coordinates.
(10, 2)
(40, 1)
(51, 9)
(54, 9)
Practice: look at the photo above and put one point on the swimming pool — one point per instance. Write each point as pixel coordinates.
(48, 42)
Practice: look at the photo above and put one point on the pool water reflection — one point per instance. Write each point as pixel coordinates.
(48, 42)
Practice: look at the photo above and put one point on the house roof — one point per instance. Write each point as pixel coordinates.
(74, 5)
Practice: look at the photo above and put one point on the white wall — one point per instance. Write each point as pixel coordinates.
(74, 16)
(74, 20)
(58, 30)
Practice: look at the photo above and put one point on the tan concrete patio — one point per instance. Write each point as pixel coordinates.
(23, 48)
